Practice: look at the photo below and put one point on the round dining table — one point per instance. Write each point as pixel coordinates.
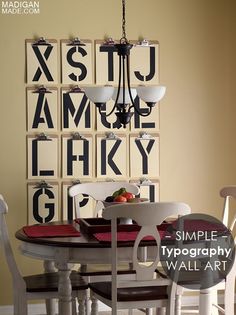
(66, 251)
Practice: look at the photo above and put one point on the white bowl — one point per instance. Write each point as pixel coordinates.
(108, 204)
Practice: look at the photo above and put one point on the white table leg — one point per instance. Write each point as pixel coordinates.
(49, 266)
(64, 289)
(205, 303)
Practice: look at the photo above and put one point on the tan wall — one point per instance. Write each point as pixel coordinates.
(198, 66)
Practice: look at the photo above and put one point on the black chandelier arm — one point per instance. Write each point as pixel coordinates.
(106, 115)
(139, 112)
(119, 82)
(117, 96)
(128, 80)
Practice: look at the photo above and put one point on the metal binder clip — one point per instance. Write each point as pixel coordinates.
(145, 181)
(110, 180)
(74, 89)
(41, 42)
(109, 41)
(77, 136)
(144, 136)
(41, 90)
(42, 184)
(76, 42)
(111, 136)
(144, 42)
(75, 182)
(43, 137)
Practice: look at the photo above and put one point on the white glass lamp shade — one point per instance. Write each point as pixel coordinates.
(99, 94)
(127, 97)
(151, 94)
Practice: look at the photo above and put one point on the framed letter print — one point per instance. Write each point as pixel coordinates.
(42, 110)
(42, 202)
(42, 156)
(77, 110)
(149, 123)
(147, 71)
(144, 155)
(77, 156)
(77, 64)
(107, 63)
(41, 61)
(111, 156)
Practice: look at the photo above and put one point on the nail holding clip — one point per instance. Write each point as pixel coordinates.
(144, 43)
(41, 90)
(145, 181)
(43, 137)
(111, 136)
(75, 42)
(144, 136)
(41, 42)
(75, 182)
(42, 184)
(109, 41)
(75, 89)
(77, 136)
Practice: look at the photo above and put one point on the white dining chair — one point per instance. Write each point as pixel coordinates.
(227, 286)
(229, 220)
(145, 290)
(36, 287)
(98, 191)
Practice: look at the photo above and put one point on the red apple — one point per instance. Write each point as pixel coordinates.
(128, 195)
(120, 198)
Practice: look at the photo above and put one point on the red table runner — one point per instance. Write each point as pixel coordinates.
(63, 230)
(165, 230)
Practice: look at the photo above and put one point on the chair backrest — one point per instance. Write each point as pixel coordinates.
(4, 238)
(148, 216)
(229, 215)
(98, 191)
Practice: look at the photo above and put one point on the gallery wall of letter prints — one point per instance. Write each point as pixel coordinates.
(68, 141)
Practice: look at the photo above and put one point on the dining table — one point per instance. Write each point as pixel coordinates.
(65, 250)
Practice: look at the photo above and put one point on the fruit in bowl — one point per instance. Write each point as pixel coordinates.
(122, 196)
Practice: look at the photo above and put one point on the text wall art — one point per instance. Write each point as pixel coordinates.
(69, 141)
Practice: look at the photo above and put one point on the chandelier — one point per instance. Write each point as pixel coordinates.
(123, 95)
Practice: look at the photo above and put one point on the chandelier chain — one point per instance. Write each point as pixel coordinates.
(123, 22)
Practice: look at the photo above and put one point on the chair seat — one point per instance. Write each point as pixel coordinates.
(48, 282)
(104, 270)
(130, 294)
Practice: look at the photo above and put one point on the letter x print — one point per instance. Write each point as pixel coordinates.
(43, 65)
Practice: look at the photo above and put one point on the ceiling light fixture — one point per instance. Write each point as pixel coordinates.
(124, 94)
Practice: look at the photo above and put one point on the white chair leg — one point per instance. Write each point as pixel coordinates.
(148, 311)
(82, 303)
(73, 306)
(205, 304)
(214, 300)
(20, 304)
(87, 302)
(161, 311)
(94, 305)
(178, 304)
(130, 311)
(50, 306)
